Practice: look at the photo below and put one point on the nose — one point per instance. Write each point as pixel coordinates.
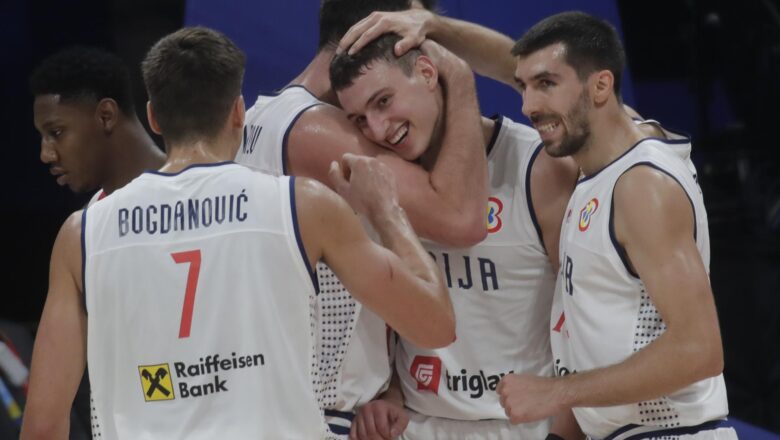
(48, 154)
(377, 127)
(530, 105)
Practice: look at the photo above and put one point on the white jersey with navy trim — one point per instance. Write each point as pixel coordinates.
(267, 126)
(679, 145)
(501, 290)
(200, 306)
(603, 311)
(352, 370)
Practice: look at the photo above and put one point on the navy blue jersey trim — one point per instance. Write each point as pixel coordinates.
(312, 273)
(499, 121)
(287, 134)
(195, 165)
(528, 198)
(621, 251)
(683, 430)
(338, 429)
(84, 259)
(665, 141)
(348, 417)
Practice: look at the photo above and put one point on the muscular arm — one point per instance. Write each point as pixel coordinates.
(488, 52)
(552, 182)
(654, 222)
(59, 355)
(455, 188)
(399, 282)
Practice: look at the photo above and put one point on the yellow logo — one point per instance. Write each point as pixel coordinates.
(156, 382)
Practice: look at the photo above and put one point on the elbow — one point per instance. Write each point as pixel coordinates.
(713, 361)
(708, 360)
(33, 428)
(464, 233)
(439, 337)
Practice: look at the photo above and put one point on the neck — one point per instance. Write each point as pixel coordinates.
(316, 77)
(132, 153)
(611, 136)
(199, 151)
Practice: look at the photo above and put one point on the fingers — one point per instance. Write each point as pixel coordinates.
(338, 178)
(406, 44)
(354, 33)
(399, 423)
(382, 424)
(371, 34)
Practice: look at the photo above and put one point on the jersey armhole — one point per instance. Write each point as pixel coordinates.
(528, 198)
(84, 260)
(621, 251)
(299, 240)
(286, 136)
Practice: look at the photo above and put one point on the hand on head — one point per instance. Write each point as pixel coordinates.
(412, 25)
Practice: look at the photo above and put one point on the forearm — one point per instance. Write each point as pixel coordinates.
(396, 234)
(668, 364)
(488, 52)
(459, 174)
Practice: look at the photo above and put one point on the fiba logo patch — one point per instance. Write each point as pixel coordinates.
(426, 370)
(156, 382)
(494, 208)
(587, 213)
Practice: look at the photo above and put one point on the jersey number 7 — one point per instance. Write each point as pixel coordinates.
(192, 257)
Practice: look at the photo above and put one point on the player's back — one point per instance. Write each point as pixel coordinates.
(199, 303)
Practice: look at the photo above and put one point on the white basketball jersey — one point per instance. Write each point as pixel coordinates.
(200, 303)
(679, 145)
(351, 370)
(501, 291)
(603, 313)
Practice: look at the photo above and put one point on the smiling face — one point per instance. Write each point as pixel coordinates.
(71, 142)
(397, 111)
(555, 99)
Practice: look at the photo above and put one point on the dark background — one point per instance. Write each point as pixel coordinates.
(710, 68)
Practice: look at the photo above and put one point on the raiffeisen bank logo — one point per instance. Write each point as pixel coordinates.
(426, 370)
(210, 374)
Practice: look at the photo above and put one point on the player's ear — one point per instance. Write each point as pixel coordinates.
(238, 113)
(152, 120)
(602, 83)
(107, 114)
(425, 67)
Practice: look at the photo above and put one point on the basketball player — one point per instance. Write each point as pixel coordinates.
(642, 330)
(190, 289)
(502, 287)
(299, 131)
(90, 134)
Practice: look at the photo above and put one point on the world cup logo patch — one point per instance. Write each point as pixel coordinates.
(494, 208)
(587, 213)
(426, 370)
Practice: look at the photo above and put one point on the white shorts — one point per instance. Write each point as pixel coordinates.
(423, 427)
(720, 432)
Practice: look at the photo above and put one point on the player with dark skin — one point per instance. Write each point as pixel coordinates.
(91, 137)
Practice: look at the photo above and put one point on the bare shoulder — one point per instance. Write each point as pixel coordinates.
(70, 231)
(316, 200)
(648, 199)
(323, 134)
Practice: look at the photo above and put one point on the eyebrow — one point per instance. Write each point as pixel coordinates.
(545, 74)
(377, 93)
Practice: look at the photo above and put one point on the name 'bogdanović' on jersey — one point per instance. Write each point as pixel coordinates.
(183, 215)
